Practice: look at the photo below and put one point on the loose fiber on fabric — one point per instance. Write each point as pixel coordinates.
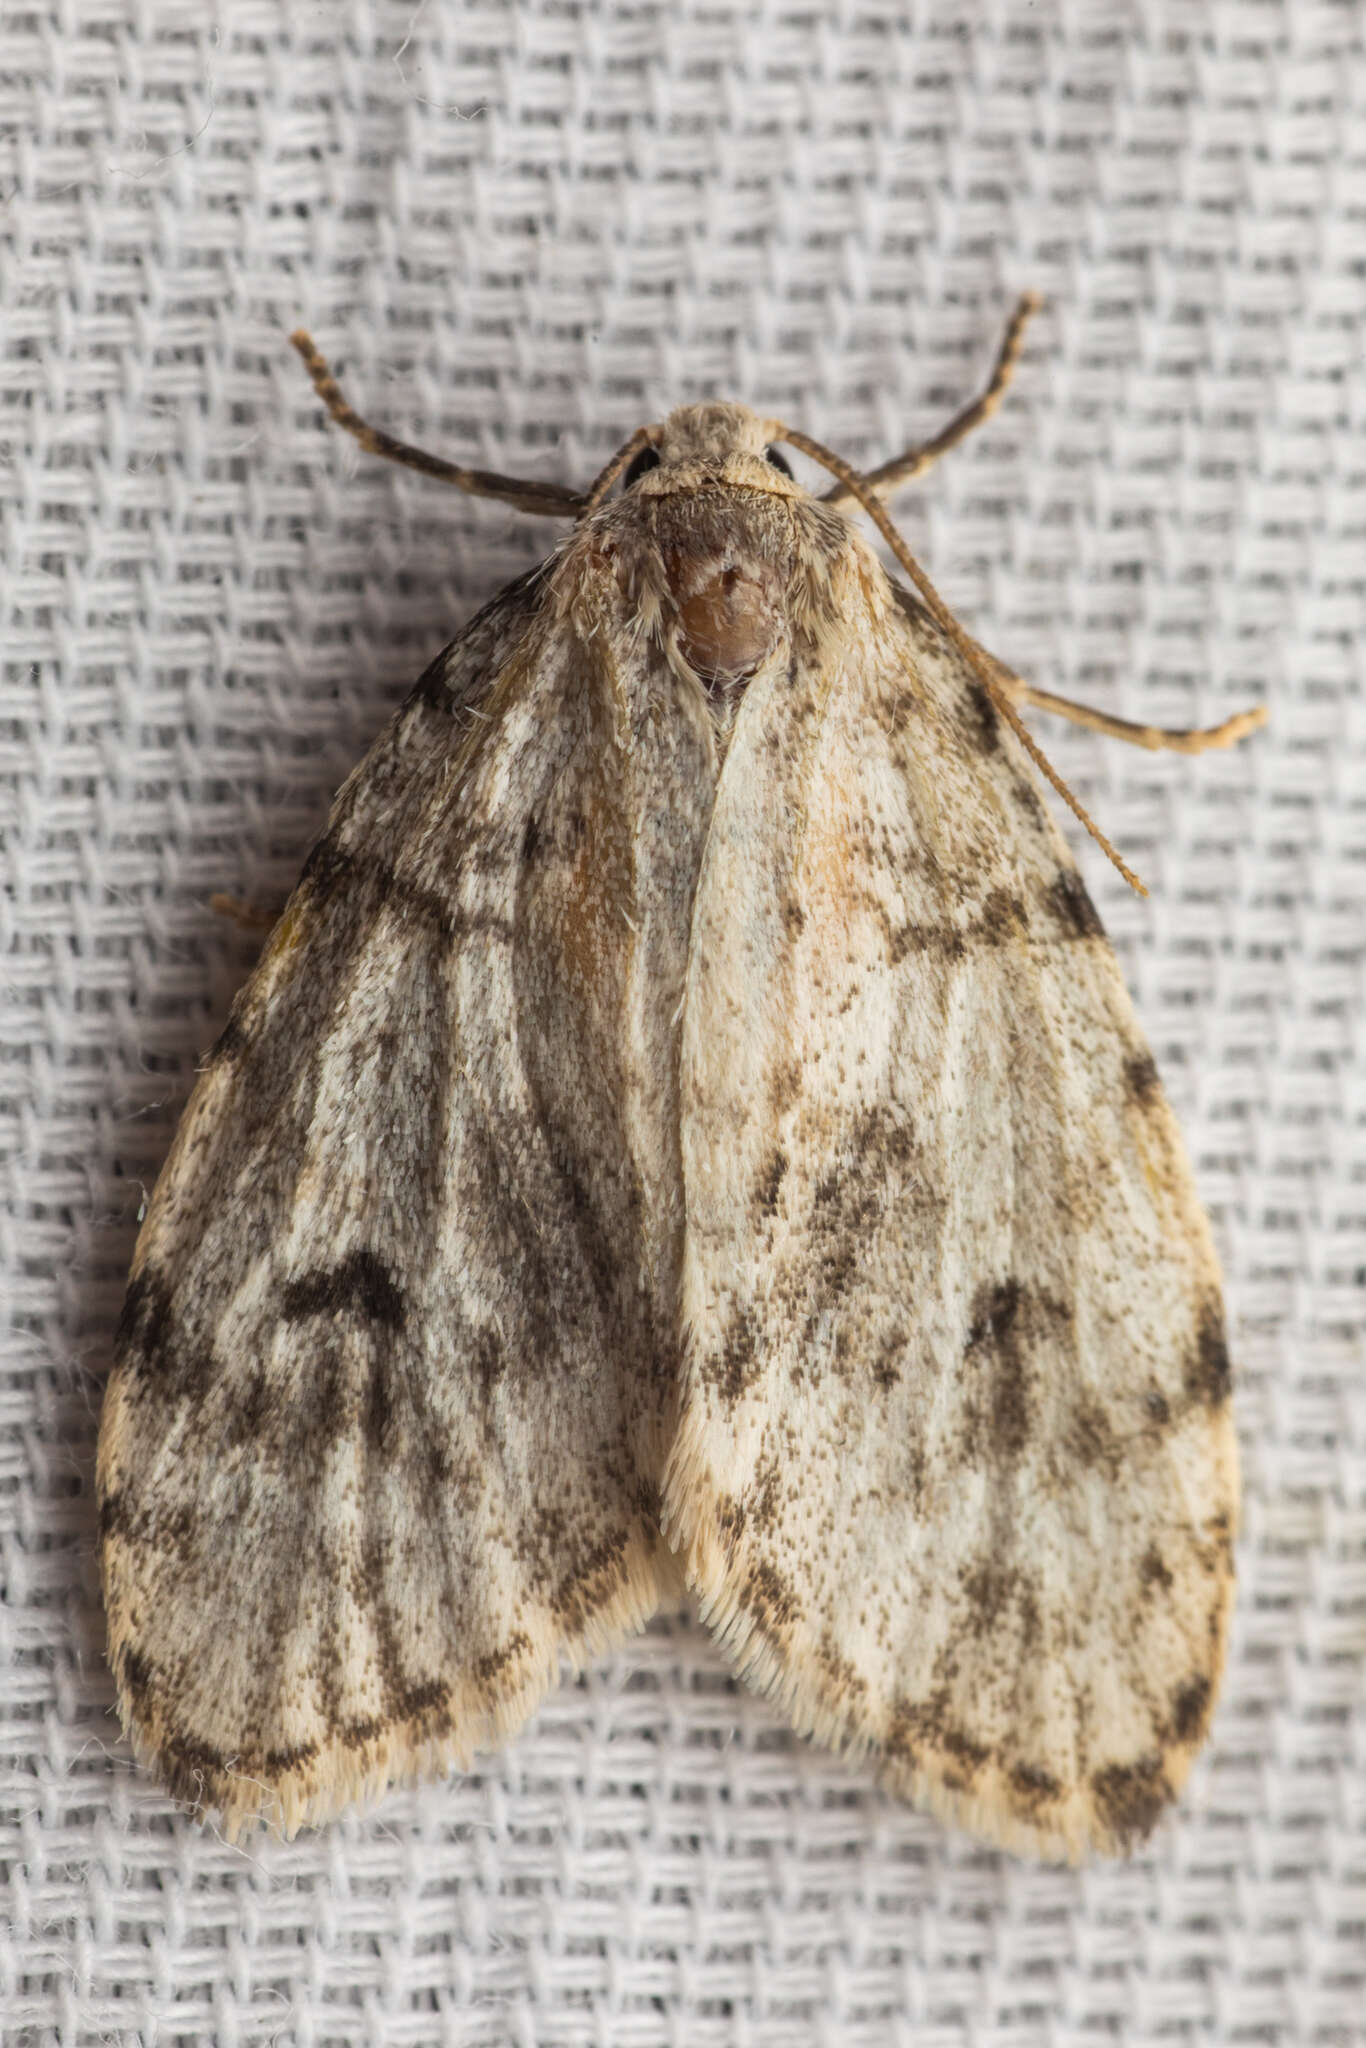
(519, 231)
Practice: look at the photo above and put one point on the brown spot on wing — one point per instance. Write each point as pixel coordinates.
(1009, 1325)
(968, 1755)
(730, 1517)
(1033, 1786)
(419, 1701)
(995, 1592)
(1091, 1437)
(847, 1205)
(1190, 1707)
(1130, 1798)
(1153, 1573)
(136, 1679)
(845, 1680)
(1072, 907)
(230, 1042)
(1208, 1375)
(591, 1582)
(982, 720)
(732, 1367)
(1002, 920)
(485, 1669)
(784, 1085)
(998, 1410)
(588, 872)
(172, 1530)
(327, 865)
(915, 1726)
(144, 1325)
(770, 1599)
(903, 1737)
(908, 941)
(487, 1358)
(893, 1345)
(989, 1589)
(1141, 1083)
(770, 1181)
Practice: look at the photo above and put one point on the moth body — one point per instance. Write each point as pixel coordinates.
(688, 1117)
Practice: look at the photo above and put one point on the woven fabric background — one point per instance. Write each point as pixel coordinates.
(520, 229)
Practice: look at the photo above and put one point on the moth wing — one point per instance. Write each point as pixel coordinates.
(955, 1476)
(382, 1440)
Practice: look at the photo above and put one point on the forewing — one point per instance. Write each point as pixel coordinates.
(383, 1437)
(955, 1475)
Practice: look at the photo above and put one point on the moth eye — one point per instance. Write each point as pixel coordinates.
(778, 459)
(648, 458)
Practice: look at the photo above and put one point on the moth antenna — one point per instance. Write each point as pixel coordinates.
(551, 501)
(605, 478)
(857, 487)
(904, 468)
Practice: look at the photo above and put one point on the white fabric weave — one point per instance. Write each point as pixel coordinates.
(519, 229)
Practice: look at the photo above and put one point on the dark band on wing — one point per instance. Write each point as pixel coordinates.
(1004, 920)
(203, 1774)
(360, 1284)
(173, 1530)
(332, 867)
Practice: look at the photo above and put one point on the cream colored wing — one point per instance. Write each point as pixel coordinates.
(384, 1435)
(955, 1475)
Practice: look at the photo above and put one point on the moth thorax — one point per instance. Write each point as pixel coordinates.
(728, 612)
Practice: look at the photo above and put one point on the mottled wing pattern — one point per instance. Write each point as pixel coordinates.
(384, 1434)
(955, 1475)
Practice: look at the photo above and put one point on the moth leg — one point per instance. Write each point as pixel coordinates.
(1157, 738)
(890, 476)
(553, 501)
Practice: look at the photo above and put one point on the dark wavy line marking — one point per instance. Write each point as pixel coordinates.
(1004, 920)
(188, 1760)
(330, 868)
(361, 1284)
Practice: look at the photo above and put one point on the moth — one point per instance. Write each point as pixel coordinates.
(687, 1123)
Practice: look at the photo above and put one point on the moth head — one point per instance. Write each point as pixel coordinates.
(709, 484)
(702, 445)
